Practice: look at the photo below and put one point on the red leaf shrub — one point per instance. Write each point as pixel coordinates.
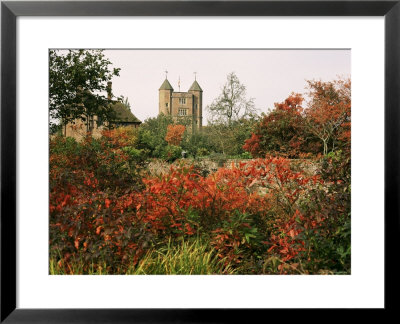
(104, 209)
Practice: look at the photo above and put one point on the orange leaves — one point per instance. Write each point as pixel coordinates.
(91, 181)
(280, 131)
(107, 203)
(175, 134)
(168, 198)
(252, 144)
(76, 243)
(117, 137)
(291, 104)
(189, 229)
(66, 200)
(289, 240)
(92, 216)
(328, 115)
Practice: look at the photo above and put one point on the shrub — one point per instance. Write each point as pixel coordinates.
(246, 155)
(282, 132)
(172, 153)
(259, 216)
(85, 216)
(201, 151)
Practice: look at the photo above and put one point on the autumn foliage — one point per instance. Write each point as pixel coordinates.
(175, 134)
(297, 129)
(258, 217)
(329, 112)
(281, 131)
(285, 209)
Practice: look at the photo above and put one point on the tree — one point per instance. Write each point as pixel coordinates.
(232, 103)
(77, 79)
(228, 139)
(175, 134)
(152, 135)
(328, 114)
(197, 143)
(281, 131)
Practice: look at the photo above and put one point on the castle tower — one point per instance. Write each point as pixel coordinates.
(197, 92)
(165, 98)
(182, 104)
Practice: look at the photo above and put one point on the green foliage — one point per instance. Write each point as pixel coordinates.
(197, 144)
(246, 155)
(336, 169)
(229, 139)
(238, 240)
(135, 155)
(331, 249)
(172, 152)
(243, 156)
(66, 146)
(55, 129)
(152, 135)
(77, 81)
(201, 151)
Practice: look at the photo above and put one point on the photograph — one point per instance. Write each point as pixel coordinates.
(199, 161)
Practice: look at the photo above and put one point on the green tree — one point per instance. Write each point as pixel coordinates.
(229, 139)
(77, 81)
(197, 143)
(152, 135)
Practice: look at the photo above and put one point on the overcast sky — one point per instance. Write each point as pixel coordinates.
(269, 75)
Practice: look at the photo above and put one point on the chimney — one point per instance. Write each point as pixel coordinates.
(109, 86)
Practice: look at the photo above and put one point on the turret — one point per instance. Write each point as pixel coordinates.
(197, 92)
(165, 95)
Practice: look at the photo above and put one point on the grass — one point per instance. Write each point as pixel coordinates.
(194, 257)
(76, 267)
(186, 258)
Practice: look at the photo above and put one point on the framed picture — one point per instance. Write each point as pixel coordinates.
(173, 121)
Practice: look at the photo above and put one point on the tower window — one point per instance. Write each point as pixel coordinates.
(182, 112)
(166, 104)
(182, 101)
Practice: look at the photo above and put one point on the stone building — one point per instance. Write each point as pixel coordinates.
(182, 104)
(124, 117)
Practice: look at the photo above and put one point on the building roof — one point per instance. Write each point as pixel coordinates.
(166, 86)
(124, 114)
(195, 87)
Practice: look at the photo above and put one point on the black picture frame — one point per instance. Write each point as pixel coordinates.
(11, 10)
